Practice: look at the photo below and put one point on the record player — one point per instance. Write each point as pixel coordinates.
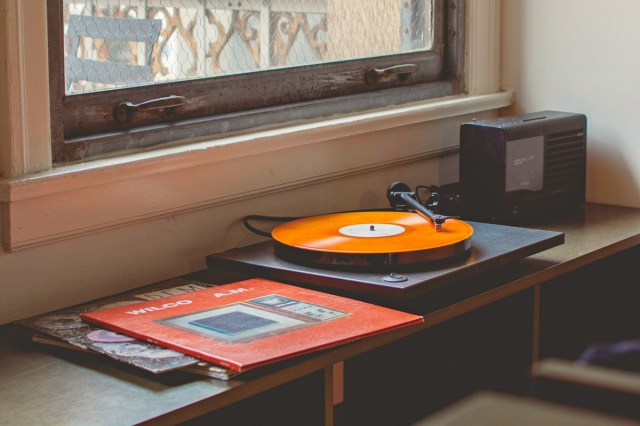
(396, 255)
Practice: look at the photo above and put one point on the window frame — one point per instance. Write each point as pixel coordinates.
(45, 205)
(83, 128)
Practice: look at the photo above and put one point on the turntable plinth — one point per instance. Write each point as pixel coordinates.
(491, 246)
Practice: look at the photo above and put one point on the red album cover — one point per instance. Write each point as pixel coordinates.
(250, 323)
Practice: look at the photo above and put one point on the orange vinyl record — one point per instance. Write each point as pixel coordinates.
(373, 238)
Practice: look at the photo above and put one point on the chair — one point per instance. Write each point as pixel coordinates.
(590, 386)
(110, 30)
(492, 408)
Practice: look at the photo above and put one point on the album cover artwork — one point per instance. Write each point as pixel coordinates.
(67, 327)
(250, 323)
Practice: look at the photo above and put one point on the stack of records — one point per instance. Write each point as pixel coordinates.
(65, 328)
(218, 331)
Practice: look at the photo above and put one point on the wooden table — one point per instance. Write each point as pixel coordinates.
(62, 387)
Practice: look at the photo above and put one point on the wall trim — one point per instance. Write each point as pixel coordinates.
(29, 147)
(483, 46)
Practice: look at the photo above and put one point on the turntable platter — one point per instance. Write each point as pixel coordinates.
(370, 239)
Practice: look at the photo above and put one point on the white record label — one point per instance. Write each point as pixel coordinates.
(371, 230)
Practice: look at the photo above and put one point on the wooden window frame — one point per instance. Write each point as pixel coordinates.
(83, 125)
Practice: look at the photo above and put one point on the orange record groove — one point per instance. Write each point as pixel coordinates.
(376, 237)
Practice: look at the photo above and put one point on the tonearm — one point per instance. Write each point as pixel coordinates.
(402, 198)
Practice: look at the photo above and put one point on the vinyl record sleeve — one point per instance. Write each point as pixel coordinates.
(201, 368)
(67, 326)
(251, 323)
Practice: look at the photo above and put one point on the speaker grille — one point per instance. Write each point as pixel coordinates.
(565, 159)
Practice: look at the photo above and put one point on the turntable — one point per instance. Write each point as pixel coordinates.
(398, 254)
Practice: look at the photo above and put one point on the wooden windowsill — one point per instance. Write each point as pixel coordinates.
(51, 206)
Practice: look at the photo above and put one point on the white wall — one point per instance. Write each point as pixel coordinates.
(582, 56)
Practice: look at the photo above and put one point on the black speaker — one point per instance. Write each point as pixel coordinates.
(522, 168)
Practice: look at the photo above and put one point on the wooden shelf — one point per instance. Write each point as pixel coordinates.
(55, 386)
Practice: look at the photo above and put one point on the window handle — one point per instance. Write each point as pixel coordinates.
(374, 75)
(125, 110)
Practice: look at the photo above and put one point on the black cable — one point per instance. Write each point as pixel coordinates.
(246, 219)
(433, 189)
(432, 202)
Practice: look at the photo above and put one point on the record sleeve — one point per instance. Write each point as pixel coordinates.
(66, 326)
(251, 323)
(201, 368)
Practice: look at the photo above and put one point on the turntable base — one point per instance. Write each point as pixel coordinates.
(491, 247)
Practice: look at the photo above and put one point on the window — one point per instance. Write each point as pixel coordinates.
(140, 73)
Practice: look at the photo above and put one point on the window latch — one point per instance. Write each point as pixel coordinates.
(374, 75)
(125, 110)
